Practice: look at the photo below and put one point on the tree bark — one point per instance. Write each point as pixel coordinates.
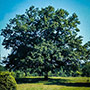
(46, 75)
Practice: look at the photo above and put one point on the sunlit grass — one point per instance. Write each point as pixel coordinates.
(74, 79)
(49, 87)
(55, 83)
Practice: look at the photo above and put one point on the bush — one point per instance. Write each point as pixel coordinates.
(7, 81)
(13, 74)
(19, 74)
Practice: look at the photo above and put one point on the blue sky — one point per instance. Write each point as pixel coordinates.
(9, 8)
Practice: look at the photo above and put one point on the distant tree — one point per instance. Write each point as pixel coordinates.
(86, 69)
(2, 68)
(43, 40)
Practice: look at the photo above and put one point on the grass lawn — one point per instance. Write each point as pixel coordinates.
(54, 83)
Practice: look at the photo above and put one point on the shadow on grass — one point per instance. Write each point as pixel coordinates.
(29, 80)
(64, 82)
(51, 81)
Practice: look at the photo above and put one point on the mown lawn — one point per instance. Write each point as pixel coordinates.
(54, 83)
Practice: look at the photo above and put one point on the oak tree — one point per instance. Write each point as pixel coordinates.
(43, 40)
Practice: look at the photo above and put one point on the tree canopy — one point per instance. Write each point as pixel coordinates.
(44, 39)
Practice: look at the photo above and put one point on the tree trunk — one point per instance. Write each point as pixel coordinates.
(25, 73)
(46, 75)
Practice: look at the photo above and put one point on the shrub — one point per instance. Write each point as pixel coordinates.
(13, 74)
(7, 81)
(19, 74)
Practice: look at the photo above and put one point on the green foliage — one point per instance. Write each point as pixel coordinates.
(2, 68)
(44, 40)
(86, 69)
(63, 73)
(7, 81)
(13, 74)
(19, 74)
(78, 73)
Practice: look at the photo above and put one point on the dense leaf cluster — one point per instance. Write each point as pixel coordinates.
(7, 81)
(44, 39)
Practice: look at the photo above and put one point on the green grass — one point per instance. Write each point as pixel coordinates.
(54, 83)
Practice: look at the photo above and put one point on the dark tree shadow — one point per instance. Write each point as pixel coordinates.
(29, 80)
(51, 81)
(65, 83)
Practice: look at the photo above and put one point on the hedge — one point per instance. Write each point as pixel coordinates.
(7, 81)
